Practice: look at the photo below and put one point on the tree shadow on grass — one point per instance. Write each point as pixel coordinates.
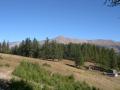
(20, 85)
(14, 85)
(71, 65)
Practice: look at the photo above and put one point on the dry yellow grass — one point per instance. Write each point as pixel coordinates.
(92, 78)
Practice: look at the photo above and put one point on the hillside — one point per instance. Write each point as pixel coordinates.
(98, 42)
(8, 63)
(67, 40)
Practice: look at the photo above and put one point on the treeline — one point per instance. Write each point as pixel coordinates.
(79, 53)
(32, 48)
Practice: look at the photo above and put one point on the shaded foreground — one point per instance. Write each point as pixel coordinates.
(4, 84)
(14, 85)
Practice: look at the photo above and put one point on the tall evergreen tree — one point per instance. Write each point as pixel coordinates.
(0, 48)
(21, 49)
(5, 47)
(28, 47)
(36, 48)
(14, 50)
(45, 49)
(113, 59)
(79, 60)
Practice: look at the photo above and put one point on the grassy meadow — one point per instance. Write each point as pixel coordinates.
(40, 79)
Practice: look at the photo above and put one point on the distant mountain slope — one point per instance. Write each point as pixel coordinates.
(66, 40)
(99, 42)
(107, 43)
(12, 44)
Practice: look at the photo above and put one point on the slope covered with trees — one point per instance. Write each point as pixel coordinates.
(80, 53)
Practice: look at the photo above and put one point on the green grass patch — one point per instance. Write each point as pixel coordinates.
(41, 79)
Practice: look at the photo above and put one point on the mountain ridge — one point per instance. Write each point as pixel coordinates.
(99, 42)
(66, 40)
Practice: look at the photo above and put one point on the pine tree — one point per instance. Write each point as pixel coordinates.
(0, 48)
(45, 49)
(14, 50)
(5, 47)
(118, 60)
(55, 51)
(79, 61)
(113, 59)
(36, 48)
(28, 47)
(58, 51)
(21, 49)
(61, 52)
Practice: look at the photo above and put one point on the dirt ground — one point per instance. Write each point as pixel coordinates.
(64, 67)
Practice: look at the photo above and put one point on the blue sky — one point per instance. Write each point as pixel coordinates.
(50, 18)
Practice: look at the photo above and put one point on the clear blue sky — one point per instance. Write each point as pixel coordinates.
(84, 19)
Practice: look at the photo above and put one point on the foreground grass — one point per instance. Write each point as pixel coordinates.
(35, 77)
